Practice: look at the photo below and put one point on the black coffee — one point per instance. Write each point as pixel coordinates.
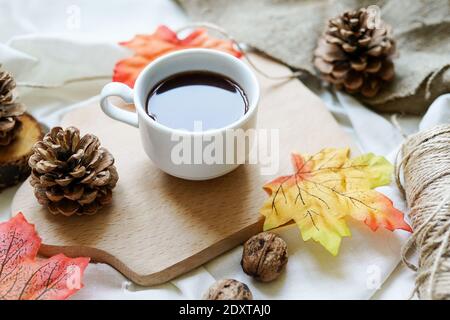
(208, 98)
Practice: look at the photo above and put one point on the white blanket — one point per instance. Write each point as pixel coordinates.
(52, 43)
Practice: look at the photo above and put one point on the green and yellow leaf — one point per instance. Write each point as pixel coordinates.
(326, 188)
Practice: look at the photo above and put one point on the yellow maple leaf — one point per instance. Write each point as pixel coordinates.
(326, 188)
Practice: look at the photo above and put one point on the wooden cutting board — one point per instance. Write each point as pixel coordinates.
(158, 226)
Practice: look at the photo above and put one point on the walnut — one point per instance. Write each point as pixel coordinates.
(228, 289)
(264, 256)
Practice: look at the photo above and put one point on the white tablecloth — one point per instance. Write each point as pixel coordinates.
(51, 42)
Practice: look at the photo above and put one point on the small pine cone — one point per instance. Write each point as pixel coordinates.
(356, 55)
(10, 110)
(72, 174)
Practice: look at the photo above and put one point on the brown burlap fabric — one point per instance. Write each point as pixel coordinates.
(288, 30)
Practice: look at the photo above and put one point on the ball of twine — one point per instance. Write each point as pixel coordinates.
(426, 185)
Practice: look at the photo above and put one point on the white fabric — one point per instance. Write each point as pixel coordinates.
(51, 42)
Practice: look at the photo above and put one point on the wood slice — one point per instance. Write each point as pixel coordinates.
(14, 157)
(158, 226)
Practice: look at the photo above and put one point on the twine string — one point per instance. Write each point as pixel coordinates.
(62, 84)
(425, 165)
(240, 47)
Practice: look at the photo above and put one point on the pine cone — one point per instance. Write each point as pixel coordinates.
(10, 125)
(354, 55)
(72, 174)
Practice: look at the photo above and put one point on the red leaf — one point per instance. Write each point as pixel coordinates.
(23, 276)
(147, 48)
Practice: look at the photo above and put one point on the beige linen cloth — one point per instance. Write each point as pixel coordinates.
(288, 31)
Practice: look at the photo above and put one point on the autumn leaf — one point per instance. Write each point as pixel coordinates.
(23, 276)
(147, 48)
(326, 188)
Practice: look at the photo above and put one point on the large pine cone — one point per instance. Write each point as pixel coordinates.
(10, 125)
(354, 55)
(72, 174)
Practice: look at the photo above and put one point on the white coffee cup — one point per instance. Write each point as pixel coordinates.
(159, 141)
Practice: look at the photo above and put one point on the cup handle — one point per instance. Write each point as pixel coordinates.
(118, 89)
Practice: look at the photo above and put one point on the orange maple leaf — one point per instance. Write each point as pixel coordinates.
(23, 276)
(326, 188)
(147, 48)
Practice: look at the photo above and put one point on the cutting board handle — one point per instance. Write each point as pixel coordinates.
(118, 89)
